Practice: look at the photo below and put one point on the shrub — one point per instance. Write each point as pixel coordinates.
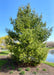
(11, 72)
(22, 73)
(19, 69)
(37, 69)
(44, 69)
(27, 69)
(13, 67)
(34, 72)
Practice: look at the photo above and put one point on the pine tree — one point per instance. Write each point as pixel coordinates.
(26, 39)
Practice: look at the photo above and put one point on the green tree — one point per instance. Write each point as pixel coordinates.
(2, 42)
(26, 40)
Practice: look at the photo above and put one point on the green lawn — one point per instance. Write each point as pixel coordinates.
(49, 63)
(4, 53)
(50, 48)
(2, 62)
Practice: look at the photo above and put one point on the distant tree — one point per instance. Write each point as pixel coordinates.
(2, 42)
(26, 39)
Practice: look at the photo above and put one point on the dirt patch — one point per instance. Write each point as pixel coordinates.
(10, 66)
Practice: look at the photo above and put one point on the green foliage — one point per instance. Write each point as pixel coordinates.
(26, 41)
(34, 72)
(50, 48)
(48, 63)
(44, 69)
(11, 72)
(2, 62)
(8, 68)
(27, 69)
(19, 69)
(2, 42)
(13, 67)
(37, 69)
(22, 73)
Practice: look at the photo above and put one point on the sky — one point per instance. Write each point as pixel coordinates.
(9, 8)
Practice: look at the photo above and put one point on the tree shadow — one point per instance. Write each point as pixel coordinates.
(7, 64)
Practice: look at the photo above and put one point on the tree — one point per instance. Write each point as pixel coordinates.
(2, 42)
(26, 39)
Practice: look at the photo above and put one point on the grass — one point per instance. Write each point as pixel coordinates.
(34, 72)
(37, 69)
(27, 69)
(49, 63)
(2, 62)
(50, 48)
(4, 53)
(44, 69)
(19, 69)
(10, 72)
(22, 73)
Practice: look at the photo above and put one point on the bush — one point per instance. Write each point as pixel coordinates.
(44, 69)
(11, 72)
(37, 69)
(19, 69)
(13, 67)
(22, 73)
(34, 72)
(28, 69)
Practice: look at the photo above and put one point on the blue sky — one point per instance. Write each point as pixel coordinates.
(9, 8)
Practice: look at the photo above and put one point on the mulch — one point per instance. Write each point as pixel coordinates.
(9, 64)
